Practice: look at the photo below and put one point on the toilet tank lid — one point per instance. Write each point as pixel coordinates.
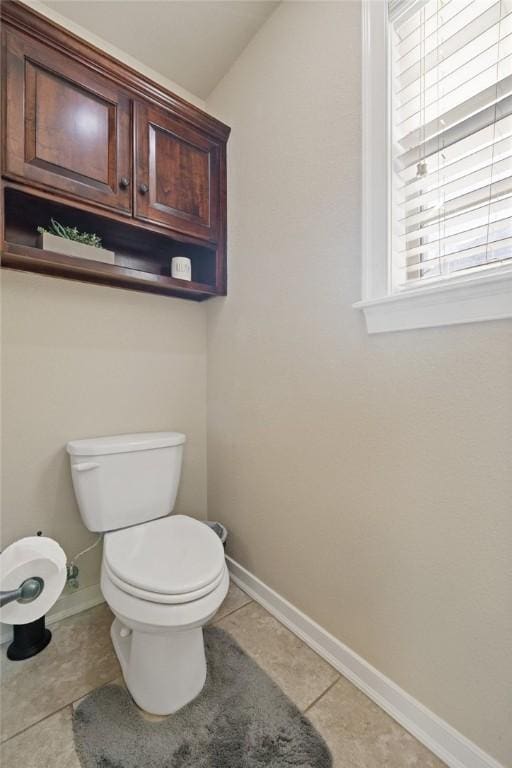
(141, 441)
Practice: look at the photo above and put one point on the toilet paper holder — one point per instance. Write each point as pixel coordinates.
(32, 577)
(29, 590)
(32, 638)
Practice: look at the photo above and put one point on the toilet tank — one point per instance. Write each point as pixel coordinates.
(126, 479)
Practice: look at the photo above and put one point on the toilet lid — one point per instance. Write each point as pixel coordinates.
(173, 555)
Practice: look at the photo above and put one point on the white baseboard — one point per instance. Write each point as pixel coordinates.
(68, 604)
(444, 741)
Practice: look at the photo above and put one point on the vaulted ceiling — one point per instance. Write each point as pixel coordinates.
(191, 42)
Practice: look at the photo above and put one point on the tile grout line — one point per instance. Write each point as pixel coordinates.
(37, 722)
(108, 682)
(317, 699)
(331, 685)
(69, 704)
(225, 616)
(56, 711)
(73, 701)
(322, 694)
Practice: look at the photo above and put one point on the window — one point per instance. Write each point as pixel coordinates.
(437, 162)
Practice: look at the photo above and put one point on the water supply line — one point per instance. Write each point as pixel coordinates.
(72, 567)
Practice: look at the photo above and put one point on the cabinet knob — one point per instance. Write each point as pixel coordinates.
(143, 189)
(125, 182)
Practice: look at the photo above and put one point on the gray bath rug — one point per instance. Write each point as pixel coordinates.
(241, 719)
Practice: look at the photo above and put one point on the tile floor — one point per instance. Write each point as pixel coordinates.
(38, 694)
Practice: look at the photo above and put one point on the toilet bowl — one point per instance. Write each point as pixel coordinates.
(164, 576)
(158, 635)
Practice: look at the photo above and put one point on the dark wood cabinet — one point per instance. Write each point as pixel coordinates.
(177, 173)
(97, 145)
(67, 128)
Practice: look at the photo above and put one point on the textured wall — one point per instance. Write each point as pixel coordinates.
(104, 44)
(81, 360)
(367, 479)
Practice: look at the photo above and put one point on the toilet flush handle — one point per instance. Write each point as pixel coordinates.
(85, 466)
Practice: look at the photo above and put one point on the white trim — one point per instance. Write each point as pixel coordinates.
(437, 735)
(470, 299)
(398, 8)
(474, 298)
(67, 605)
(375, 153)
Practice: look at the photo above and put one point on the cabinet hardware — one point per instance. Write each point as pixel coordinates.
(150, 142)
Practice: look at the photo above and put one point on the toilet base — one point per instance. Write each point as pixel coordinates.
(163, 672)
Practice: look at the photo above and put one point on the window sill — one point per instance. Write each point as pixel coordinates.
(466, 300)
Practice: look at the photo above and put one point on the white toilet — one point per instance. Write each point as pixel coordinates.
(163, 576)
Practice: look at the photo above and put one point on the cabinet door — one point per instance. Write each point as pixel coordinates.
(176, 174)
(67, 128)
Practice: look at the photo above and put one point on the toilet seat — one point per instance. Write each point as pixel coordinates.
(160, 597)
(150, 616)
(172, 560)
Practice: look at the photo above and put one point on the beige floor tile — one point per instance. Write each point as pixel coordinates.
(299, 672)
(117, 681)
(79, 658)
(361, 735)
(49, 744)
(234, 599)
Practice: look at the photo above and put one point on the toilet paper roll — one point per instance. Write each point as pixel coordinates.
(26, 558)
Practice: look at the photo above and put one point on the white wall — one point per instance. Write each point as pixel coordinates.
(82, 360)
(366, 479)
(105, 45)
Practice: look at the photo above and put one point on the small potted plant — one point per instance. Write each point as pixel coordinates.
(70, 242)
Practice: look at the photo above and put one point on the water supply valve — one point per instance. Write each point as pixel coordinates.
(72, 576)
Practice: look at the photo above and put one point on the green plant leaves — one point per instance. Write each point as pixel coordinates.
(71, 233)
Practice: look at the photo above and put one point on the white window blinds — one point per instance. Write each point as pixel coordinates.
(451, 123)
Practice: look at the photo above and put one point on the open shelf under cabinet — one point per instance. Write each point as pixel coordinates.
(142, 258)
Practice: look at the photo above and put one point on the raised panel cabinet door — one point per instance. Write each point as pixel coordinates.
(66, 128)
(177, 174)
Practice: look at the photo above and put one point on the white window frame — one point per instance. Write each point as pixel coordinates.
(480, 296)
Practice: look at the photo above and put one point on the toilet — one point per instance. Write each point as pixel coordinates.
(164, 576)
